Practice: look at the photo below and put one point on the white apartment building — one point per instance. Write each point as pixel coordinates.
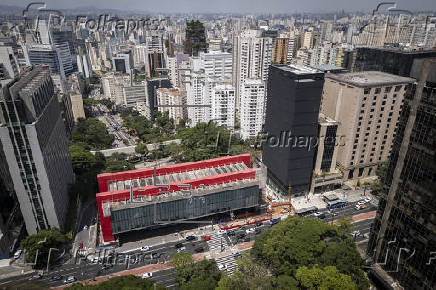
(217, 64)
(197, 104)
(173, 101)
(223, 105)
(252, 107)
(254, 58)
(112, 86)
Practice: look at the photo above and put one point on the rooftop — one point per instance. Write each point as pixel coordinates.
(299, 69)
(369, 78)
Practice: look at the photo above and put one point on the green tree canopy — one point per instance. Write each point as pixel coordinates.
(92, 132)
(328, 278)
(141, 148)
(181, 259)
(202, 275)
(41, 243)
(297, 242)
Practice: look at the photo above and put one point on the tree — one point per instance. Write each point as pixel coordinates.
(327, 278)
(249, 275)
(128, 282)
(141, 148)
(41, 243)
(344, 224)
(200, 275)
(92, 132)
(118, 162)
(181, 259)
(297, 242)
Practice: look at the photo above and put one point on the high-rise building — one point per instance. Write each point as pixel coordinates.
(367, 105)
(35, 145)
(253, 93)
(291, 126)
(223, 105)
(280, 51)
(253, 59)
(123, 62)
(9, 67)
(45, 54)
(173, 101)
(217, 64)
(403, 236)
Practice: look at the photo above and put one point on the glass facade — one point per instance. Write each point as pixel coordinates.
(190, 208)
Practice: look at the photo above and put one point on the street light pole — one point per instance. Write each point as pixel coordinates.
(48, 259)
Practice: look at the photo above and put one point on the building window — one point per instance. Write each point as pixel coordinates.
(377, 90)
(366, 91)
(388, 89)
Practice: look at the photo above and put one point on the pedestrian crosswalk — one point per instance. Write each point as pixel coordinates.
(216, 240)
(229, 261)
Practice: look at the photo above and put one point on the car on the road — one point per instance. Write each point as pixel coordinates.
(18, 254)
(250, 230)
(259, 224)
(257, 231)
(155, 255)
(236, 255)
(246, 239)
(199, 250)
(181, 249)
(70, 279)
(178, 245)
(222, 267)
(106, 266)
(319, 215)
(147, 275)
(191, 238)
(240, 235)
(230, 233)
(145, 248)
(367, 199)
(361, 202)
(56, 277)
(35, 277)
(360, 206)
(205, 238)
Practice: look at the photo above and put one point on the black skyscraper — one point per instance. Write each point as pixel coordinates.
(291, 127)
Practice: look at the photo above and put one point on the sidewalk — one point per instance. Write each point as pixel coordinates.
(317, 199)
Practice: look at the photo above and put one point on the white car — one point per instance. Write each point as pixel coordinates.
(17, 254)
(360, 202)
(147, 275)
(145, 248)
(317, 214)
(181, 249)
(222, 267)
(70, 279)
(85, 227)
(251, 230)
(367, 199)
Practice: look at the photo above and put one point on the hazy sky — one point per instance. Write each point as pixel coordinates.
(237, 6)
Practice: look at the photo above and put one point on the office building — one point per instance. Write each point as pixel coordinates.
(113, 84)
(326, 176)
(45, 54)
(253, 93)
(291, 127)
(35, 145)
(368, 105)
(403, 236)
(123, 62)
(77, 107)
(134, 93)
(130, 200)
(9, 67)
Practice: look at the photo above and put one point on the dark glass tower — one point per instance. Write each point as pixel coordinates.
(291, 127)
(403, 237)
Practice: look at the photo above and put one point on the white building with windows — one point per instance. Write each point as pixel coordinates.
(173, 101)
(252, 107)
(217, 64)
(223, 105)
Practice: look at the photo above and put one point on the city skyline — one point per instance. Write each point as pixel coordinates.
(228, 6)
